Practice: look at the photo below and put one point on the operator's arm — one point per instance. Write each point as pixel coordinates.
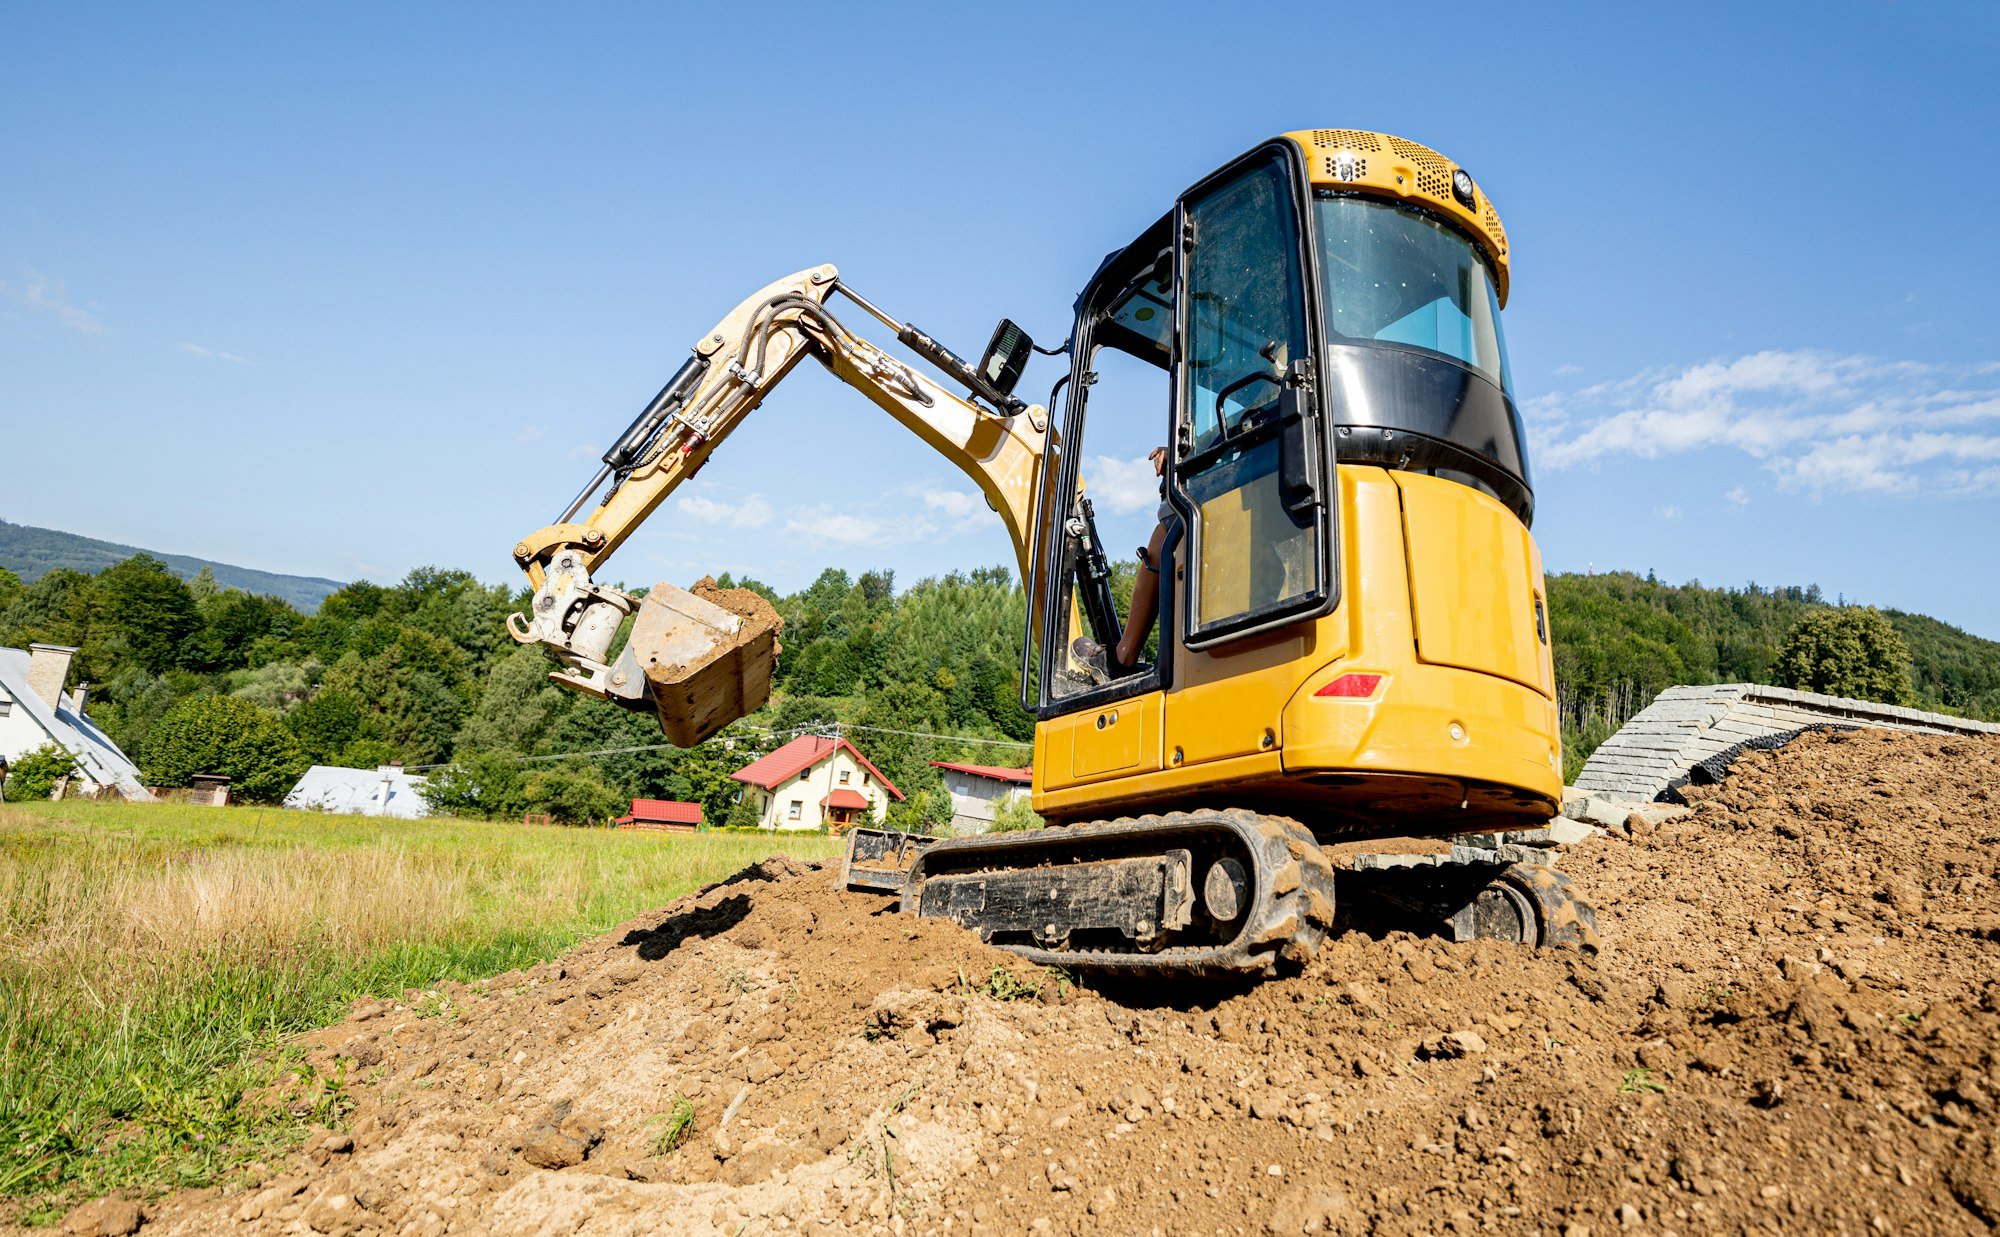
(733, 368)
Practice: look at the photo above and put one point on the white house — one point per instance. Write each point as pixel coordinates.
(382, 791)
(977, 791)
(815, 780)
(34, 712)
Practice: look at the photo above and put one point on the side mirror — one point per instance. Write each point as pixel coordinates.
(1005, 357)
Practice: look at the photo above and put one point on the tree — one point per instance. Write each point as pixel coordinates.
(740, 816)
(148, 609)
(1853, 651)
(229, 736)
(572, 794)
(326, 725)
(518, 706)
(705, 769)
(896, 716)
(483, 784)
(35, 774)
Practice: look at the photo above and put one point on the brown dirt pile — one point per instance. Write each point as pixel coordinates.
(1794, 1026)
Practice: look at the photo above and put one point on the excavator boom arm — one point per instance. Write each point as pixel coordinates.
(733, 368)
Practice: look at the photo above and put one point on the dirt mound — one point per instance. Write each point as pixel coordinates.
(1792, 1026)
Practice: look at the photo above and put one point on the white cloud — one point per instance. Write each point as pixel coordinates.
(1668, 512)
(1819, 422)
(1121, 487)
(825, 524)
(753, 512)
(1737, 496)
(200, 353)
(584, 451)
(51, 296)
(529, 433)
(954, 504)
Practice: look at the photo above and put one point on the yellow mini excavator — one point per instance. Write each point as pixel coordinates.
(1352, 638)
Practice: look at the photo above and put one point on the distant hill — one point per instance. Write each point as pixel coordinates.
(34, 552)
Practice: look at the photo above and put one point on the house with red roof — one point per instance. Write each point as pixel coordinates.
(666, 815)
(816, 781)
(977, 791)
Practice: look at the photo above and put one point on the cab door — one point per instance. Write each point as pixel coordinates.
(1251, 478)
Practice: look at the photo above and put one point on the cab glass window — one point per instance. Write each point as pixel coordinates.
(1397, 277)
(1257, 546)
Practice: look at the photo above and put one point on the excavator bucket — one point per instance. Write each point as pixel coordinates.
(707, 655)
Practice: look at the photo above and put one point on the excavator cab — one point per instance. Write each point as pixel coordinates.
(1351, 638)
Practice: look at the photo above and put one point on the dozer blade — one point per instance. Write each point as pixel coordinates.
(879, 860)
(705, 664)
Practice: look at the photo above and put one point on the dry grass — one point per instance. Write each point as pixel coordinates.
(154, 960)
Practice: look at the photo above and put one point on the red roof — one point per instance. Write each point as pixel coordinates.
(799, 755)
(844, 797)
(998, 774)
(665, 811)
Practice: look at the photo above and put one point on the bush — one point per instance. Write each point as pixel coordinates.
(226, 735)
(926, 811)
(1015, 814)
(482, 784)
(572, 795)
(1853, 651)
(35, 774)
(740, 815)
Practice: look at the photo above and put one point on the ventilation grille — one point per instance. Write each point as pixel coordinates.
(1422, 156)
(1433, 169)
(1494, 230)
(1356, 168)
(1353, 139)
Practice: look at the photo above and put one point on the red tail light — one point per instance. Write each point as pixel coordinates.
(1352, 686)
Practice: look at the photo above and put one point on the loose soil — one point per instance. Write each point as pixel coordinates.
(1793, 1026)
(756, 611)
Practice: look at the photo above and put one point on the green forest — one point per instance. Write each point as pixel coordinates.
(189, 675)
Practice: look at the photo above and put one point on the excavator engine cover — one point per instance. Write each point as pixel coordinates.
(705, 665)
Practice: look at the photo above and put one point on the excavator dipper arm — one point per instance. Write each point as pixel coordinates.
(733, 368)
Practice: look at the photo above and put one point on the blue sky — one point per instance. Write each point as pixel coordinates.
(345, 291)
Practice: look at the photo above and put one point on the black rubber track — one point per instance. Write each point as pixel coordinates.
(1291, 908)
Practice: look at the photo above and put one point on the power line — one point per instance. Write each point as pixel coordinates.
(924, 734)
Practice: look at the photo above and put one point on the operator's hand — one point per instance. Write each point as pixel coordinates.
(1159, 457)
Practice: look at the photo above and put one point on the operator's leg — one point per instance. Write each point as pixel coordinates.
(1145, 602)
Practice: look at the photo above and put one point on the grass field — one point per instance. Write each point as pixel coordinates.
(155, 960)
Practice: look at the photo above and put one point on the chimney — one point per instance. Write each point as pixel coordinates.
(48, 668)
(77, 697)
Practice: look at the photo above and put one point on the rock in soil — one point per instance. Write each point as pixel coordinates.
(1793, 1025)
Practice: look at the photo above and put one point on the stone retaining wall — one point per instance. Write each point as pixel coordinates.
(1686, 725)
